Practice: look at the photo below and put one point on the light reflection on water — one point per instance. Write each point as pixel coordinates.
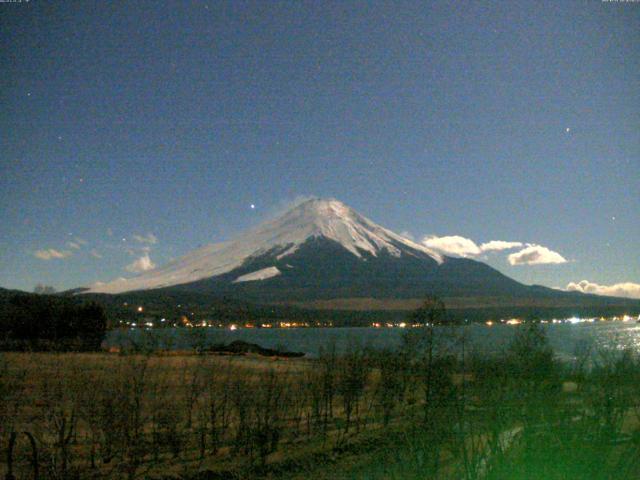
(565, 339)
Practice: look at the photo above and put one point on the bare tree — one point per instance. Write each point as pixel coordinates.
(352, 371)
(41, 289)
(390, 388)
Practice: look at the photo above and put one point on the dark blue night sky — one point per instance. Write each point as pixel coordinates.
(512, 121)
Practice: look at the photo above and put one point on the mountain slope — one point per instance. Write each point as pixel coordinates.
(327, 219)
(323, 254)
(322, 269)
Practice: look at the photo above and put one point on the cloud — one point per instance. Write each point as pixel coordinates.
(408, 235)
(625, 289)
(135, 251)
(497, 245)
(284, 205)
(465, 247)
(535, 255)
(74, 245)
(149, 238)
(94, 253)
(51, 253)
(456, 245)
(141, 264)
(452, 245)
(119, 280)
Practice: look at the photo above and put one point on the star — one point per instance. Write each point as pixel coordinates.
(253, 207)
(567, 130)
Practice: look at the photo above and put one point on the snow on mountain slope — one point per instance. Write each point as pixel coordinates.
(330, 219)
(263, 274)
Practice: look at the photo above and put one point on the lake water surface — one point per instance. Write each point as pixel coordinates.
(564, 338)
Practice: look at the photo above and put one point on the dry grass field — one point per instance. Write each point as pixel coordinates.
(413, 413)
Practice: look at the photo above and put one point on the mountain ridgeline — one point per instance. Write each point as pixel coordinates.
(323, 255)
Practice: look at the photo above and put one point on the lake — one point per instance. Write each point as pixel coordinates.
(564, 338)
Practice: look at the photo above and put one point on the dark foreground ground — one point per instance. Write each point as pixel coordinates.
(414, 413)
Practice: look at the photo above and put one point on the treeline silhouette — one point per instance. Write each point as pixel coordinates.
(50, 322)
(172, 305)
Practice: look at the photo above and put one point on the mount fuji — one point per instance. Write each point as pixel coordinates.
(323, 254)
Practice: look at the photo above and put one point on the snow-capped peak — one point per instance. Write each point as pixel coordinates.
(327, 218)
(336, 221)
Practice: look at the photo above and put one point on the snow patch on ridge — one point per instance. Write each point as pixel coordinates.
(263, 274)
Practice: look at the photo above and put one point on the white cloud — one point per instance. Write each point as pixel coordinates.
(149, 238)
(94, 253)
(51, 253)
(135, 251)
(287, 204)
(117, 281)
(625, 289)
(535, 255)
(459, 246)
(497, 245)
(452, 245)
(74, 245)
(407, 234)
(465, 247)
(141, 264)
